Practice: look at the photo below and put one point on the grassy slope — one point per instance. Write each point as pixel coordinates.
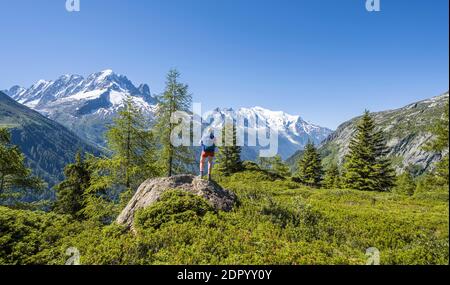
(277, 222)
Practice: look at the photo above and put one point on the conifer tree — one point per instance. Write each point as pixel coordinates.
(132, 161)
(14, 174)
(366, 166)
(309, 169)
(332, 178)
(175, 98)
(229, 156)
(70, 192)
(133, 146)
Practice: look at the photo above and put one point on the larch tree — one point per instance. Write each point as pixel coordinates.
(176, 98)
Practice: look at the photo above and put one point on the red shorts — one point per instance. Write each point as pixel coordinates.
(206, 154)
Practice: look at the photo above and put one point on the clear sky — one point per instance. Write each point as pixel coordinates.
(326, 60)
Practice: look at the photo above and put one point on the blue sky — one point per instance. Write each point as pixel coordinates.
(325, 60)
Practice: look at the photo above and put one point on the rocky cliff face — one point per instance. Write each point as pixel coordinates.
(151, 190)
(406, 130)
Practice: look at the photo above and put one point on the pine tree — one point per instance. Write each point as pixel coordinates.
(70, 192)
(175, 98)
(366, 166)
(229, 156)
(332, 178)
(14, 174)
(309, 169)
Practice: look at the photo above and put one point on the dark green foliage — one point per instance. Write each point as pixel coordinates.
(430, 187)
(15, 177)
(229, 155)
(70, 193)
(25, 236)
(250, 165)
(366, 167)
(174, 206)
(332, 178)
(405, 184)
(309, 170)
(174, 160)
(276, 165)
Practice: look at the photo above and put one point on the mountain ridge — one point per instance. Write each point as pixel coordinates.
(88, 105)
(406, 132)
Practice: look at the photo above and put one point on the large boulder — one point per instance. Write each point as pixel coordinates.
(150, 191)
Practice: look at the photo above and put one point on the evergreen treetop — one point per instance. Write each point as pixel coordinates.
(309, 169)
(366, 166)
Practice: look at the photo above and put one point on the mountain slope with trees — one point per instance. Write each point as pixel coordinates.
(407, 131)
(47, 145)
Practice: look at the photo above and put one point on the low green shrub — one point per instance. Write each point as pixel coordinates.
(174, 206)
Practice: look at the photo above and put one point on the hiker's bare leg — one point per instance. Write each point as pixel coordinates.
(202, 164)
(210, 166)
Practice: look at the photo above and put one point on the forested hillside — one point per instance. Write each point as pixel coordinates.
(47, 145)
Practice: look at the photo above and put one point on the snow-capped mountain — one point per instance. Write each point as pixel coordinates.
(71, 88)
(293, 132)
(88, 105)
(84, 105)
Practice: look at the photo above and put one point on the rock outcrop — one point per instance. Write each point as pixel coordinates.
(151, 190)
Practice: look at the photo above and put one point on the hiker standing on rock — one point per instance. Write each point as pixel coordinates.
(208, 144)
